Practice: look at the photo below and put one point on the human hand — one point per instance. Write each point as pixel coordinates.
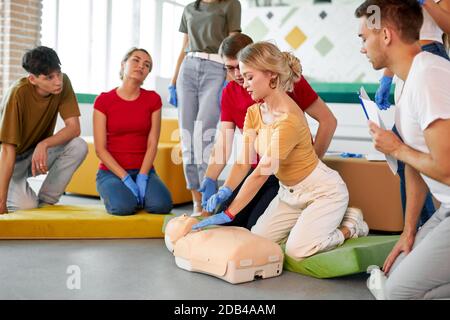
(128, 181)
(207, 188)
(385, 141)
(383, 92)
(220, 197)
(404, 244)
(217, 219)
(39, 159)
(141, 182)
(173, 96)
(3, 208)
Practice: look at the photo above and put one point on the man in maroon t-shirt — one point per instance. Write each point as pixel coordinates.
(235, 102)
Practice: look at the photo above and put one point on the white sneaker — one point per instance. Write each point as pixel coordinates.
(354, 220)
(376, 282)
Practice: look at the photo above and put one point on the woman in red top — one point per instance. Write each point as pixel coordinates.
(127, 123)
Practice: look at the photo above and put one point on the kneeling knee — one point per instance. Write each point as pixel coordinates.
(121, 210)
(80, 147)
(397, 291)
(159, 207)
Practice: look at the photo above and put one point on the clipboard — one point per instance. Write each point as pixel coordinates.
(371, 112)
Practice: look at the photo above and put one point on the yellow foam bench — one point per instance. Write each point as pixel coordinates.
(79, 222)
(169, 171)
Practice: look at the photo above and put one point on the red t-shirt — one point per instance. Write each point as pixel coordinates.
(236, 100)
(128, 125)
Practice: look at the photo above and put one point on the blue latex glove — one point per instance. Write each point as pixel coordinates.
(173, 96)
(128, 181)
(421, 2)
(382, 94)
(220, 218)
(220, 197)
(141, 182)
(207, 188)
(351, 155)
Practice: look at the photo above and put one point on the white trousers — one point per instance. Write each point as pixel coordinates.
(307, 216)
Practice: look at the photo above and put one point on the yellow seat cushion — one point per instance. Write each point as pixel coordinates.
(79, 222)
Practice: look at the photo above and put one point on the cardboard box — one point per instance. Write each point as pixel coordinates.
(374, 189)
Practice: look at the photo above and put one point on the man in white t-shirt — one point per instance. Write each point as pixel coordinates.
(418, 267)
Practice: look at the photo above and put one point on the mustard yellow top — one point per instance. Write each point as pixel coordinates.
(287, 140)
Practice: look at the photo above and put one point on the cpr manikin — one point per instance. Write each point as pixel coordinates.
(233, 254)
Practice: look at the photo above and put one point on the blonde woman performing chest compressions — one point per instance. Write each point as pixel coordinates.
(309, 212)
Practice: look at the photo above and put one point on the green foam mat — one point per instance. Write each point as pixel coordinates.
(354, 256)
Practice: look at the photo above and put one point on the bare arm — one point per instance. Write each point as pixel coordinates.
(440, 12)
(70, 131)
(251, 186)
(243, 164)
(435, 164)
(152, 142)
(320, 112)
(180, 58)
(100, 145)
(222, 150)
(416, 191)
(7, 161)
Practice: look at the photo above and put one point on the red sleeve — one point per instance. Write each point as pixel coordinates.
(303, 94)
(157, 103)
(100, 103)
(226, 105)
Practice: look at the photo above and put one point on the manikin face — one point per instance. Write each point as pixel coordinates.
(372, 44)
(137, 66)
(256, 82)
(232, 66)
(46, 85)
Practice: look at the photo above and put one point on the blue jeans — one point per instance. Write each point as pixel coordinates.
(199, 84)
(120, 201)
(428, 208)
(436, 48)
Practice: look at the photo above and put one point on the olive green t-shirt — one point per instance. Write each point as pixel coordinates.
(210, 24)
(28, 118)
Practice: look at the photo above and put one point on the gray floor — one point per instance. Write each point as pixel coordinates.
(140, 269)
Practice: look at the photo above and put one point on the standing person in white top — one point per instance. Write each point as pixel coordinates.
(198, 80)
(436, 21)
(418, 267)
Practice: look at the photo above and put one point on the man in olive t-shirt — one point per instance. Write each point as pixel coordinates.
(28, 144)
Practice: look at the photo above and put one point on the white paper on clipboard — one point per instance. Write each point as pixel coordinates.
(372, 112)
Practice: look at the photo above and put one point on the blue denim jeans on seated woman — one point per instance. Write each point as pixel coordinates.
(119, 200)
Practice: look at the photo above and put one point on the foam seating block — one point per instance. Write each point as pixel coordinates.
(79, 222)
(168, 166)
(354, 256)
(233, 254)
